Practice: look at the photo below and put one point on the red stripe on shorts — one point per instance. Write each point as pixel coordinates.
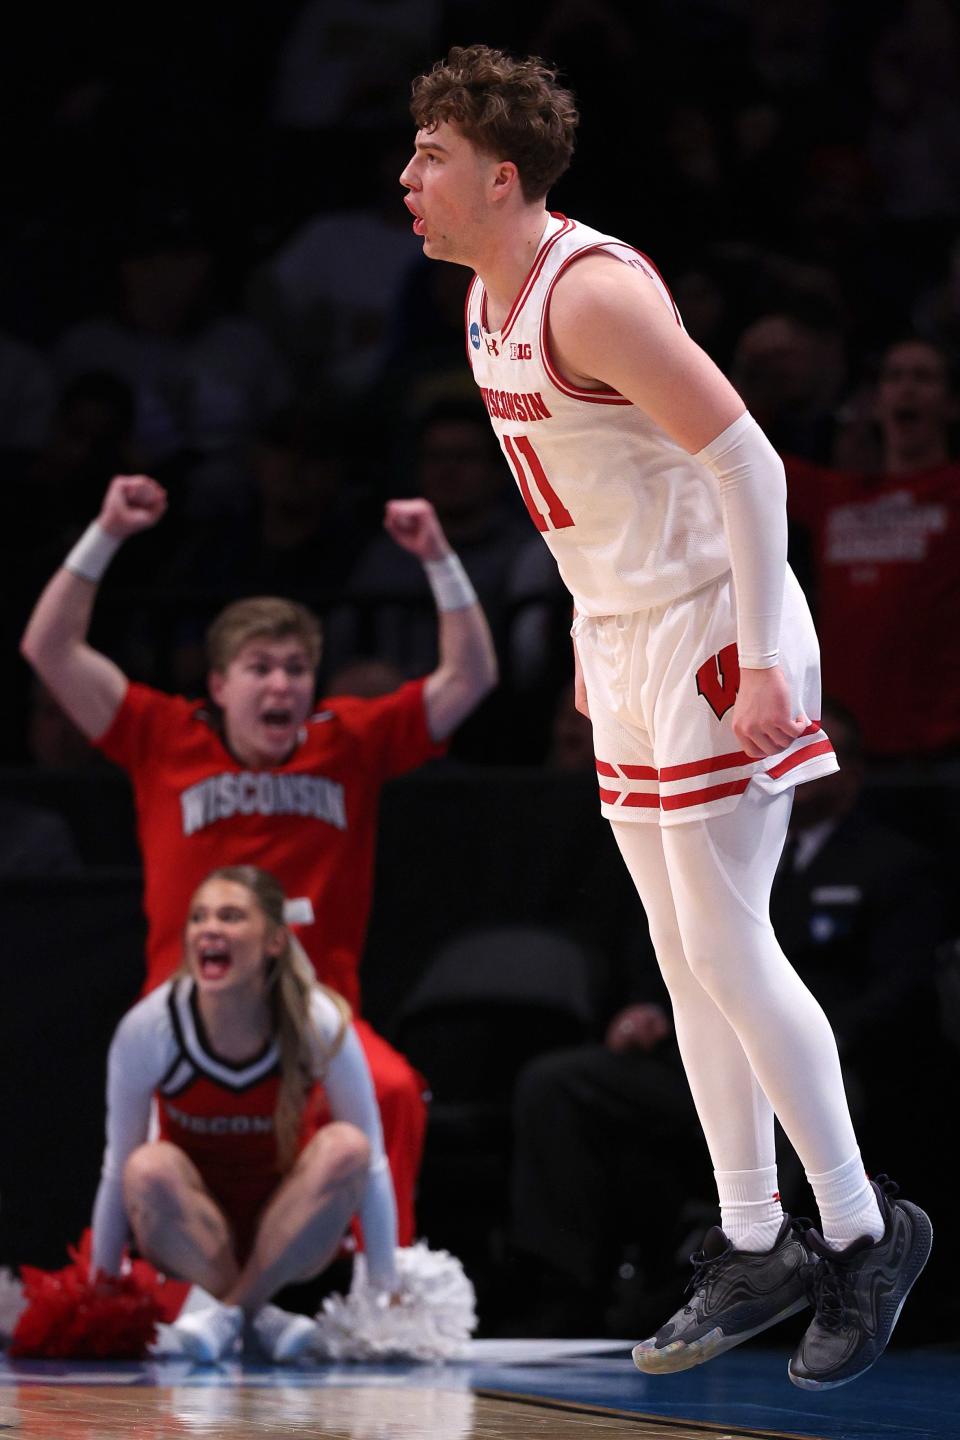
(729, 761)
(823, 747)
(603, 768)
(702, 797)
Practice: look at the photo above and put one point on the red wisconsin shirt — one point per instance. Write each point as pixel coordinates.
(887, 557)
(311, 822)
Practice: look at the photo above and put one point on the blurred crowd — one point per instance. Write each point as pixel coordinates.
(208, 275)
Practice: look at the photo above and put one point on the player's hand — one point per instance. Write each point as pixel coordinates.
(638, 1027)
(413, 524)
(764, 720)
(132, 503)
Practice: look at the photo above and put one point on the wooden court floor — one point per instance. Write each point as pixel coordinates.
(101, 1412)
(538, 1390)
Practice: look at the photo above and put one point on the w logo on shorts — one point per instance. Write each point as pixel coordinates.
(718, 680)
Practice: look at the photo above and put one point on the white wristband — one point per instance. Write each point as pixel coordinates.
(450, 583)
(92, 553)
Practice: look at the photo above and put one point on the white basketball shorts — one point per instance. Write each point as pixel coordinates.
(661, 685)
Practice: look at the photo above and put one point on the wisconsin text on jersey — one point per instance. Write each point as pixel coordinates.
(509, 405)
(262, 792)
(220, 1124)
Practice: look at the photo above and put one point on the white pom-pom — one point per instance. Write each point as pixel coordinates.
(12, 1303)
(432, 1318)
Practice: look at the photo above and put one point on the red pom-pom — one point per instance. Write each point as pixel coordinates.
(113, 1318)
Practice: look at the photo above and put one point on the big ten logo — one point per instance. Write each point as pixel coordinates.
(519, 351)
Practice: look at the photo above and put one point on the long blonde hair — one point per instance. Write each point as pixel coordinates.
(290, 983)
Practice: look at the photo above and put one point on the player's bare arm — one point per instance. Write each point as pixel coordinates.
(88, 685)
(609, 326)
(467, 669)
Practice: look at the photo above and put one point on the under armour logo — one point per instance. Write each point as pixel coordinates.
(492, 346)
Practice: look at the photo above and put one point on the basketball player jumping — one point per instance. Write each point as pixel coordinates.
(664, 505)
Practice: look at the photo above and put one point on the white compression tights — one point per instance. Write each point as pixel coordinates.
(753, 1039)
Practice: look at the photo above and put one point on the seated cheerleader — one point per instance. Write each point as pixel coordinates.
(236, 1195)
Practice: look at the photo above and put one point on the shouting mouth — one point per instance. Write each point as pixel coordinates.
(419, 224)
(277, 719)
(213, 960)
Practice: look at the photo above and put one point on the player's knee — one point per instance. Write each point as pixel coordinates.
(711, 963)
(671, 956)
(153, 1176)
(346, 1154)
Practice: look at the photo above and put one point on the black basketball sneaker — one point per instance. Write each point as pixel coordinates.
(733, 1294)
(859, 1292)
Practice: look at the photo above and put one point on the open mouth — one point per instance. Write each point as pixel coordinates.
(419, 228)
(277, 719)
(213, 962)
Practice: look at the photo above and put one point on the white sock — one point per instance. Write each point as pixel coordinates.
(750, 1209)
(847, 1203)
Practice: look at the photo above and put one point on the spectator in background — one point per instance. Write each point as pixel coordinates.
(885, 551)
(45, 499)
(259, 775)
(343, 64)
(424, 361)
(327, 296)
(386, 609)
(203, 380)
(915, 127)
(584, 1118)
(50, 488)
(303, 532)
(937, 311)
(790, 366)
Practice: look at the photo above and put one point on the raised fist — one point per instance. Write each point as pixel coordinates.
(414, 526)
(132, 503)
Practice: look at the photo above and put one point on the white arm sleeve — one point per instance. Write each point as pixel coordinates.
(350, 1094)
(140, 1053)
(753, 498)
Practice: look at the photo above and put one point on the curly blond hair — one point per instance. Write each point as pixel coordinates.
(509, 108)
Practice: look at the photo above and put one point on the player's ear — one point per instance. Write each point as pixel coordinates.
(506, 179)
(276, 942)
(216, 680)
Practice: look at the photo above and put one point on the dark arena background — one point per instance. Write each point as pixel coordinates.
(207, 275)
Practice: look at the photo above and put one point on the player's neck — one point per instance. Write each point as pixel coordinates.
(236, 1021)
(248, 753)
(508, 261)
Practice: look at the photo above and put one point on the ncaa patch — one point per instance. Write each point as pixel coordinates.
(475, 335)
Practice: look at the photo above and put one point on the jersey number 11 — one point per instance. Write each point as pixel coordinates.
(559, 517)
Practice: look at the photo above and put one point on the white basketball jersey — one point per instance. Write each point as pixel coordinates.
(632, 519)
